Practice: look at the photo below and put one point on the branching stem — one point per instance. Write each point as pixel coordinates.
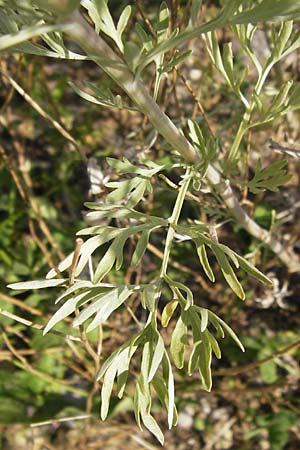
(82, 33)
(173, 220)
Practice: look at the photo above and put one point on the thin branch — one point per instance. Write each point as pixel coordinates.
(20, 304)
(24, 364)
(44, 114)
(25, 188)
(78, 244)
(30, 324)
(196, 100)
(56, 421)
(196, 277)
(246, 367)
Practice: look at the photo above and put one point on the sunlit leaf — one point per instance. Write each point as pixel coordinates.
(157, 357)
(66, 309)
(178, 343)
(201, 251)
(107, 386)
(37, 284)
(168, 312)
(228, 272)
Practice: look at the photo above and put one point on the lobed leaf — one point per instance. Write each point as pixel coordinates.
(228, 272)
(66, 309)
(214, 318)
(103, 307)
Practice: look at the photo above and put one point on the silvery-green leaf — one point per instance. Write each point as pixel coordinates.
(133, 189)
(201, 251)
(136, 408)
(107, 262)
(147, 359)
(10, 40)
(103, 306)
(275, 11)
(230, 253)
(108, 306)
(178, 343)
(228, 272)
(160, 387)
(214, 318)
(95, 289)
(132, 54)
(151, 425)
(169, 379)
(65, 310)
(115, 252)
(176, 59)
(123, 20)
(214, 344)
(86, 250)
(163, 22)
(204, 319)
(293, 45)
(227, 58)
(138, 193)
(249, 268)
(121, 189)
(124, 166)
(194, 356)
(101, 300)
(195, 9)
(215, 322)
(107, 386)
(90, 98)
(294, 97)
(85, 254)
(100, 15)
(281, 98)
(191, 317)
(144, 38)
(150, 296)
(157, 357)
(140, 248)
(56, 43)
(123, 367)
(107, 233)
(213, 49)
(75, 287)
(37, 284)
(108, 362)
(204, 364)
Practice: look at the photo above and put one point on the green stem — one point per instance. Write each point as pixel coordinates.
(232, 156)
(173, 220)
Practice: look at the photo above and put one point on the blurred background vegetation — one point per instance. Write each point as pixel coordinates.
(48, 398)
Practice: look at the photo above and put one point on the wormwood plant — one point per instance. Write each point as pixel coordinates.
(196, 155)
